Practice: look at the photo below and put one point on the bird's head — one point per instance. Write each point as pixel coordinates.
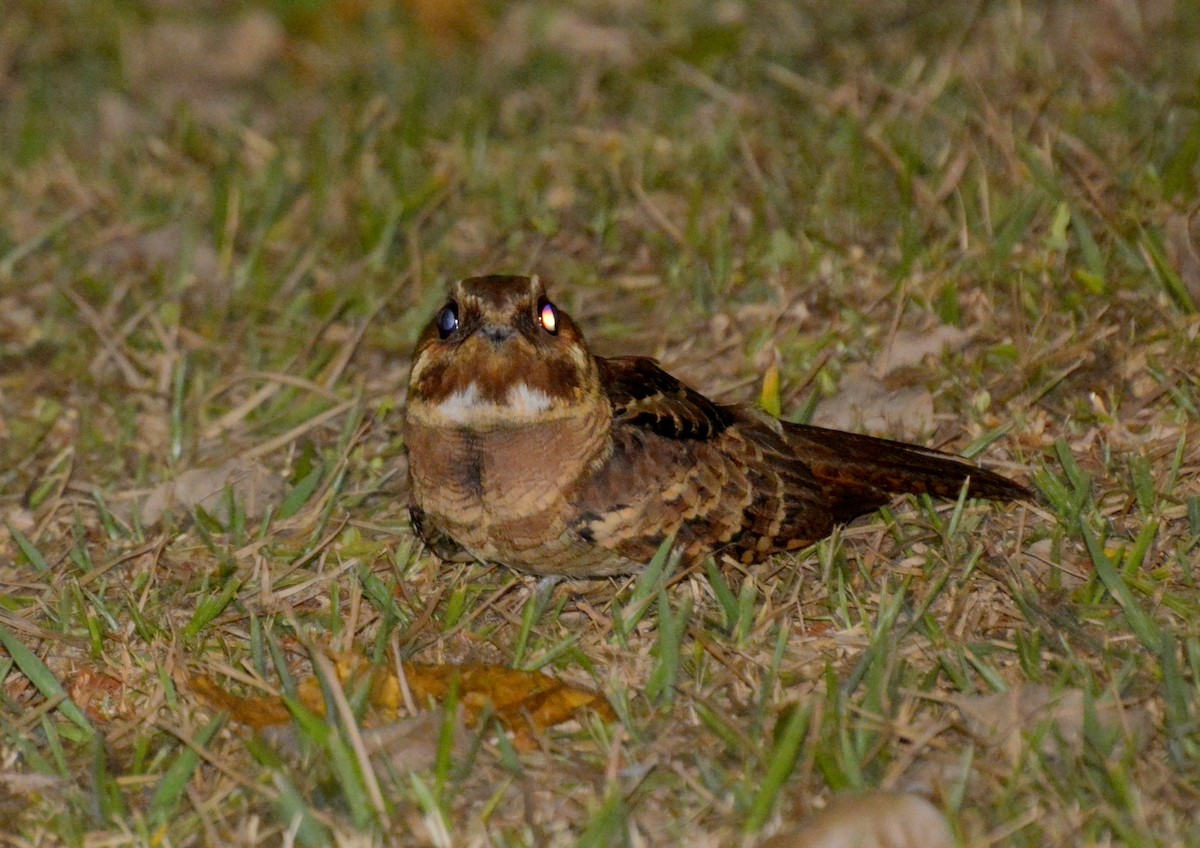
(500, 354)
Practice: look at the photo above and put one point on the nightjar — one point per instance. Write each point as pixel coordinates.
(526, 449)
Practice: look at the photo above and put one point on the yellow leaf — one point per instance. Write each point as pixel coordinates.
(770, 399)
(526, 702)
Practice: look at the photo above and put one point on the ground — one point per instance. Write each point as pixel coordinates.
(223, 224)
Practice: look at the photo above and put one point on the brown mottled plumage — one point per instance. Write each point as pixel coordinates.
(525, 449)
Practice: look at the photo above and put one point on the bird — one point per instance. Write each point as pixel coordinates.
(528, 450)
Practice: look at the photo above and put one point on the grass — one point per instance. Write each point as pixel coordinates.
(208, 253)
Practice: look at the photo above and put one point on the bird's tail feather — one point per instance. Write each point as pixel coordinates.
(861, 473)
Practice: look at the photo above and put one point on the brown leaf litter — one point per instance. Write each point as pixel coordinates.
(252, 485)
(524, 702)
(1004, 720)
(881, 399)
(870, 820)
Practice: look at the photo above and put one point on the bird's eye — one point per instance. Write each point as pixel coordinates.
(447, 320)
(548, 317)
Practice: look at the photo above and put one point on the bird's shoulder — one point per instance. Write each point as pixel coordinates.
(643, 395)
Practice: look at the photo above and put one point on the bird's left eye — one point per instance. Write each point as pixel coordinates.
(548, 317)
(447, 320)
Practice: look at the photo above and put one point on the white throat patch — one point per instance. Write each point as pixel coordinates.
(523, 400)
(461, 405)
(467, 406)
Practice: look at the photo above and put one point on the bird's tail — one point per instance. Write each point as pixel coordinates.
(861, 473)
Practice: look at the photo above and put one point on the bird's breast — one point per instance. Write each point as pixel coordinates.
(501, 489)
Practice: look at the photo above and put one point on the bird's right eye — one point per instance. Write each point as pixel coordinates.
(447, 320)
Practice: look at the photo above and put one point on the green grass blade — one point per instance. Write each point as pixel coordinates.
(608, 827)
(164, 805)
(1140, 622)
(28, 549)
(45, 681)
(779, 766)
(211, 607)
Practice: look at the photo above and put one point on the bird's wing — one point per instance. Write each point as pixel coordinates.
(717, 478)
(644, 395)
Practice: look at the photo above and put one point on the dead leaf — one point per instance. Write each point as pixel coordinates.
(1004, 720)
(254, 487)
(580, 38)
(397, 747)
(117, 118)
(910, 347)
(868, 401)
(170, 249)
(1044, 567)
(203, 64)
(867, 404)
(258, 713)
(20, 327)
(18, 518)
(526, 702)
(157, 249)
(870, 820)
(189, 50)
(522, 700)
(29, 783)
(525, 30)
(22, 791)
(100, 695)
(411, 743)
(253, 41)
